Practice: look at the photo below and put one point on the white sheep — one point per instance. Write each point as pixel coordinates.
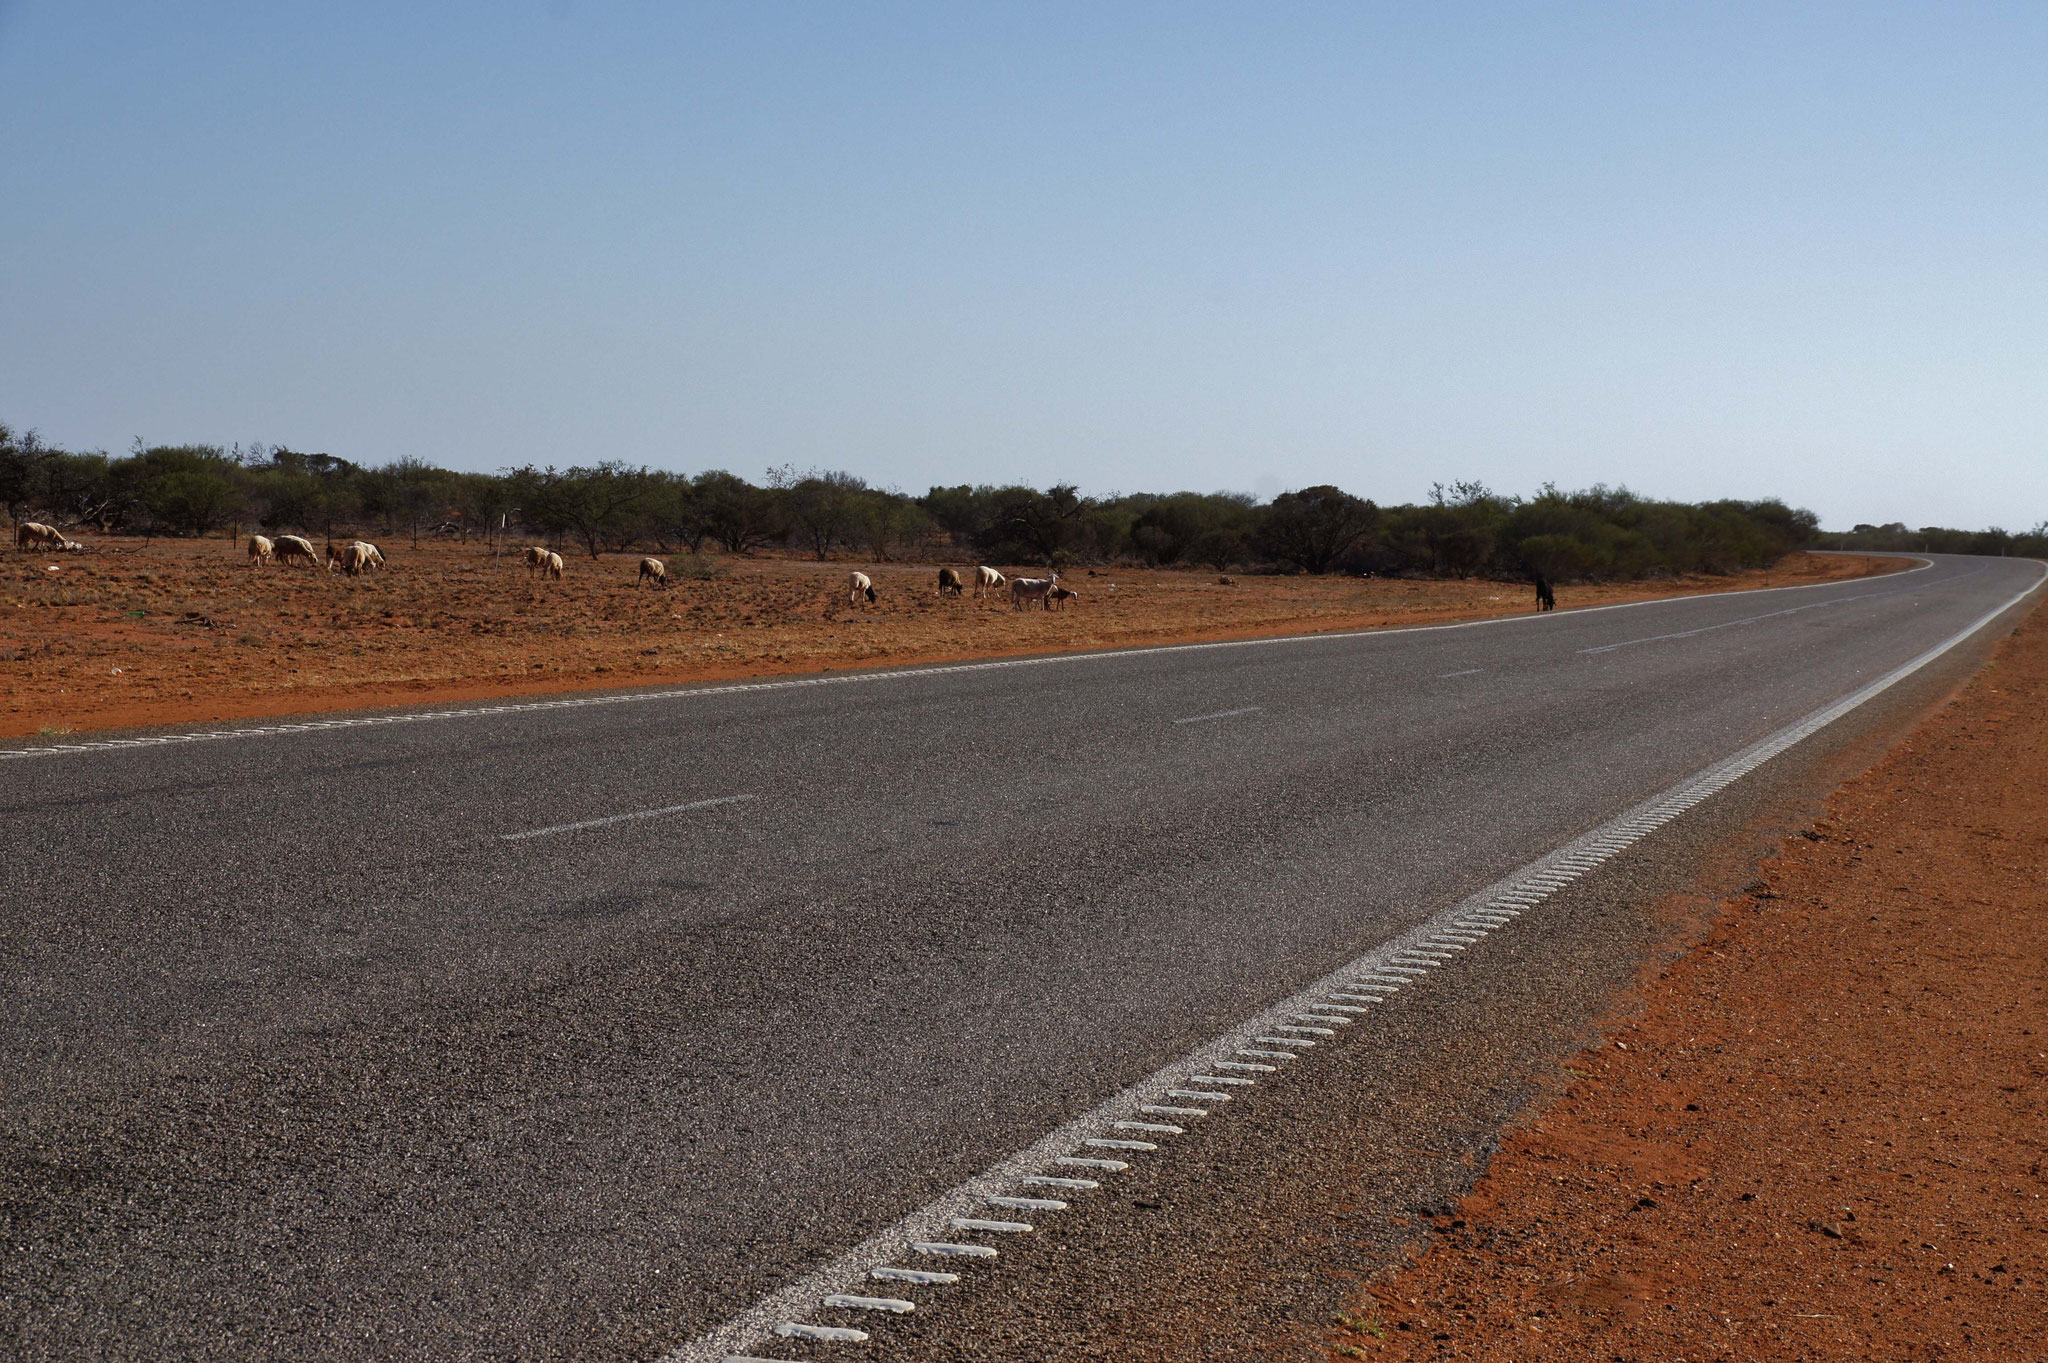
(290, 548)
(1024, 589)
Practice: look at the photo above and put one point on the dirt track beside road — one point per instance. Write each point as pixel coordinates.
(180, 631)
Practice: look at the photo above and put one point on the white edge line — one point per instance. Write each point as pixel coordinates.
(756, 1323)
(949, 669)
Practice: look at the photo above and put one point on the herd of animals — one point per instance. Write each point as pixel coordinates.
(360, 556)
(354, 558)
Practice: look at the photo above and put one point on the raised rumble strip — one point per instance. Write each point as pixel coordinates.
(1490, 910)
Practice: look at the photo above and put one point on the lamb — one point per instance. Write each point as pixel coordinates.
(949, 581)
(986, 581)
(652, 568)
(857, 586)
(293, 547)
(1058, 597)
(261, 550)
(36, 535)
(1025, 589)
(554, 566)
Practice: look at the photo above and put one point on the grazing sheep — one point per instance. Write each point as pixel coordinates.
(554, 566)
(986, 581)
(536, 559)
(857, 586)
(261, 550)
(949, 581)
(338, 557)
(652, 568)
(36, 535)
(291, 548)
(1023, 589)
(355, 558)
(1058, 597)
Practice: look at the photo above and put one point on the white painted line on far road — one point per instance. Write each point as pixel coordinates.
(1584, 854)
(1750, 619)
(621, 818)
(1221, 714)
(1468, 672)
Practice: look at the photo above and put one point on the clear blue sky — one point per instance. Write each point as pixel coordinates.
(1712, 250)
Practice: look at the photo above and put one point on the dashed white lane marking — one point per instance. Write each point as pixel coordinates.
(621, 818)
(843, 679)
(1222, 714)
(1468, 672)
(1731, 624)
(1492, 909)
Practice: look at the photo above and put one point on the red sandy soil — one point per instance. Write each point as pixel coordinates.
(175, 631)
(1821, 1133)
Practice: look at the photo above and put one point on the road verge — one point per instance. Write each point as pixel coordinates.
(1818, 1134)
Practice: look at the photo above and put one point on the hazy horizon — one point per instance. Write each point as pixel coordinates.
(1738, 251)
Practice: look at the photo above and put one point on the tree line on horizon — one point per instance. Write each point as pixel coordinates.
(1896, 538)
(1464, 529)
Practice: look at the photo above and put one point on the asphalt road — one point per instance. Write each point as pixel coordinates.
(396, 1042)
